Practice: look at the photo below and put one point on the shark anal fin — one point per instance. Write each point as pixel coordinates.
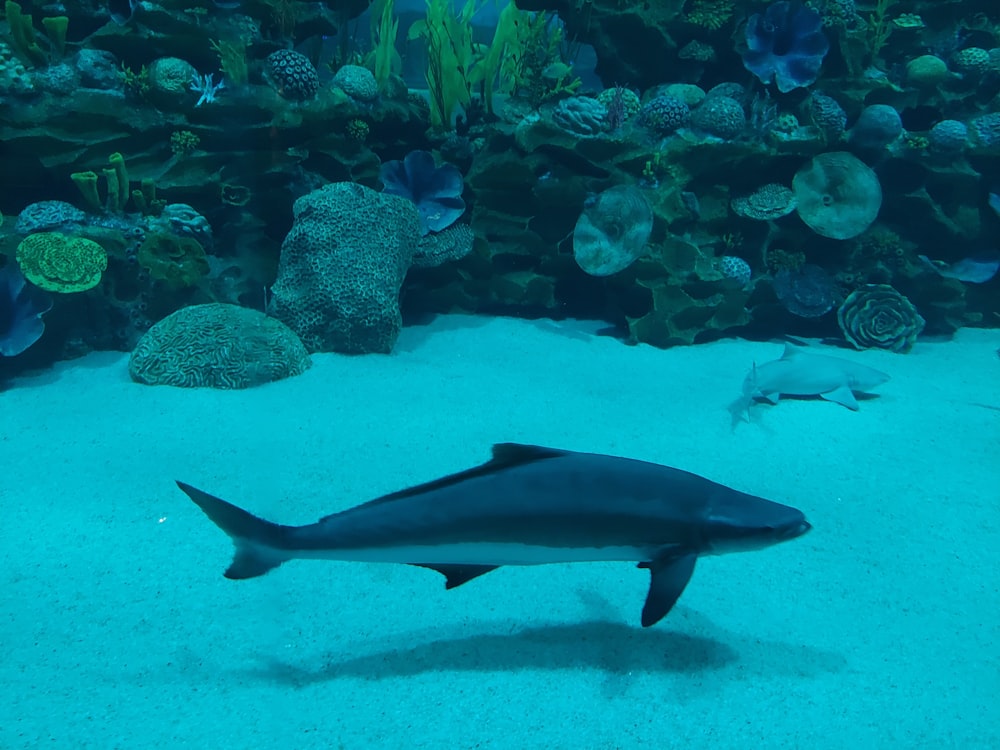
(251, 561)
(842, 396)
(668, 577)
(456, 575)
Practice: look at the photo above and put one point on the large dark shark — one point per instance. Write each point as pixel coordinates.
(528, 505)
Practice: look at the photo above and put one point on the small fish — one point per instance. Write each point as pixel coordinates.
(528, 505)
(800, 374)
(977, 269)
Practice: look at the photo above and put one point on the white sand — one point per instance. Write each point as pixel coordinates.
(878, 629)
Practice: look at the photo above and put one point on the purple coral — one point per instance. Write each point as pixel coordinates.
(785, 45)
(435, 191)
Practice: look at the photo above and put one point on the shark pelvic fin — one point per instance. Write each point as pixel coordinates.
(668, 577)
(456, 575)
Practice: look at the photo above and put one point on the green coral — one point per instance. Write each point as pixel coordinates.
(183, 142)
(136, 82)
(357, 130)
(232, 55)
(710, 14)
(179, 261)
(22, 35)
(59, 263)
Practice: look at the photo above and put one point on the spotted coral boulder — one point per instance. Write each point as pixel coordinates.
(217, 346)
(343, 263)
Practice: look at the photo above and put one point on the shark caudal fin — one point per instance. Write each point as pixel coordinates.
(258, 542)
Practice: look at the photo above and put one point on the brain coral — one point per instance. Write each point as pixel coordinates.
(217, 346)
(59, 263)
(342, 266)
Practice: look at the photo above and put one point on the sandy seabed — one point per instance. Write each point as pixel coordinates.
(880, 628)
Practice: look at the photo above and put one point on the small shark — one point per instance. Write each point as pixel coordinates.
(800, 374)
(528, 505)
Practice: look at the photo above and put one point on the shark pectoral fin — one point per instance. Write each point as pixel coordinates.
(668, 577)
(842, 396)
(456, 575)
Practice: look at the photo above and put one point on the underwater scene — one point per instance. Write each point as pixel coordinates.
(455, 374)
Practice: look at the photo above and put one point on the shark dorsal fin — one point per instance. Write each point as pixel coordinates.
(505, 456)
(513, 454)
(790, 351)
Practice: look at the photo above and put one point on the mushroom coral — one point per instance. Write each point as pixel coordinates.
(612, 231)
(837, 195)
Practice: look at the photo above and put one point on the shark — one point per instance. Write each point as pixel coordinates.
(798, 373)
(527, 505)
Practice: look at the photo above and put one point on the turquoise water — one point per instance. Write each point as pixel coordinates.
(877, 627)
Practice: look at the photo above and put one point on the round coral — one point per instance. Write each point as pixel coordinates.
(292, 74)
(735, 268)
(57, 263)
(664, 114)
(876, 316)
(719, 116)
(357, 82)
(948, 137)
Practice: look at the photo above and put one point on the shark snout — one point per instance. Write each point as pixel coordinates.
(794, 531)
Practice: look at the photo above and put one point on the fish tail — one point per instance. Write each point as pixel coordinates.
(258, 542)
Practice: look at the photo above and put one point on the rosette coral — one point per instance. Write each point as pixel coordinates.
(876, 316)
(435, 191)
(785, 45)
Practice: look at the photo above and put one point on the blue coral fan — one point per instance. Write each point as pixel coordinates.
(435, 191)
(21, 308)
(786, 45)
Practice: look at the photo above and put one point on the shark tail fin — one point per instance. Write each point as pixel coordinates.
(740, 408)
(258, 542)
